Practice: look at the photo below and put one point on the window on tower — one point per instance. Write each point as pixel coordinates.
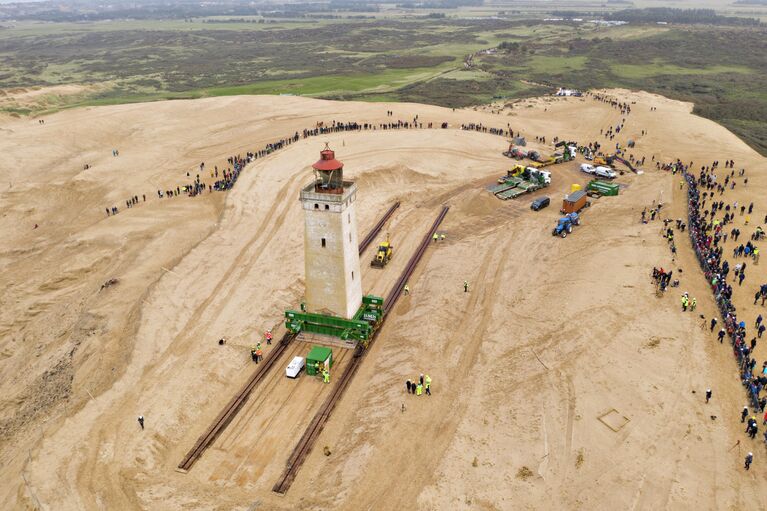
(327, 206)
(323, 242)
(316, 206)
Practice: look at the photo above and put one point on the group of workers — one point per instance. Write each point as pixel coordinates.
(419, 385)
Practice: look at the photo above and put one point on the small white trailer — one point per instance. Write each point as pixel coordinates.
(294, 368)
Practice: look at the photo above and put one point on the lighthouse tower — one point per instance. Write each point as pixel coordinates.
(332, 262)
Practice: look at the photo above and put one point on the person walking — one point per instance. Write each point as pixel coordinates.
(693, 303)
(721, 335)
(708, 395)
(253, 355)
(408, 384)
(761, 331)
(465, 286)
(758, 321)
(713, 323)
(744, 414)
(259, 354)
(141, 421)
(749, 460)
(684, 302)
(427, 384)
(419, 389)
(407, 290)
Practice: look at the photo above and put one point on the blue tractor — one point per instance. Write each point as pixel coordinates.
(565, 225)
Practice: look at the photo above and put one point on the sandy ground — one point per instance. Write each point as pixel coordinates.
(553, 335)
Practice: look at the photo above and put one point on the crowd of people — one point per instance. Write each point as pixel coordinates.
(226, 178)
(707, 217)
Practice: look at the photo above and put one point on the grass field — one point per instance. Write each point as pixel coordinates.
(393, 57)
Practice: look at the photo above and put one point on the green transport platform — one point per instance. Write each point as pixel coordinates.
(359, 328)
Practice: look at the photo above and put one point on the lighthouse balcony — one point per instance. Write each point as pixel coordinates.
(318, 192)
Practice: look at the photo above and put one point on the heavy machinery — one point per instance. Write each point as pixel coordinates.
(565, 225)
(516, 171)
(382, 255)
(515, 153)
(530, 180)
(569, 150)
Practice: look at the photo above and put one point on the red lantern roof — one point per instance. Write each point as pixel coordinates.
(328, 161)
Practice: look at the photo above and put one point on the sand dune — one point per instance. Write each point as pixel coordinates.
(553, 335)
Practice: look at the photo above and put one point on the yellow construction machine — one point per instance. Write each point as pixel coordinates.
(383, 254)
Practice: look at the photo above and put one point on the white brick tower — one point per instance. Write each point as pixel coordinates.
(332, 262)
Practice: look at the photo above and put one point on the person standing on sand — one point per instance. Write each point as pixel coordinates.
(744, 414)
(708, 395)
(713, 323)
(408, 385)
(749, 460)
(141, 421)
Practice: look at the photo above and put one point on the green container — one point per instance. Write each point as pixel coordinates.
(318, 355)
(603, 187)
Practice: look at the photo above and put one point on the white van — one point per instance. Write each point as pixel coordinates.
(605, 172)
(587, 168)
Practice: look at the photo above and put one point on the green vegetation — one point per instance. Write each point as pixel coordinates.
(438, 60)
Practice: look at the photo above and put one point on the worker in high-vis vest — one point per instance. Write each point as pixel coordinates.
(418, 389)
(435, 237)
(427, 384)
(407, 290)
(326, 376)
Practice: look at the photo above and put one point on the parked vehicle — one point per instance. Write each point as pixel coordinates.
(587, 168)
(575, 202)
(540, 203)
(565, 225)
(605, 172)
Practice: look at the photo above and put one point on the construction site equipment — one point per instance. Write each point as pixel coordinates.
(294, 368)
(377, 228)
(230, 410)
(534, 155)
(319, 358)
(233, 406)
(530, 180)
(574, 187)
(312, 432)
(513, 172)
(569, 149)
(359, 328)
(575, 202)
(600, 160)
(515, 152)
(382, 255)
(603, 188)
(565, 225)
